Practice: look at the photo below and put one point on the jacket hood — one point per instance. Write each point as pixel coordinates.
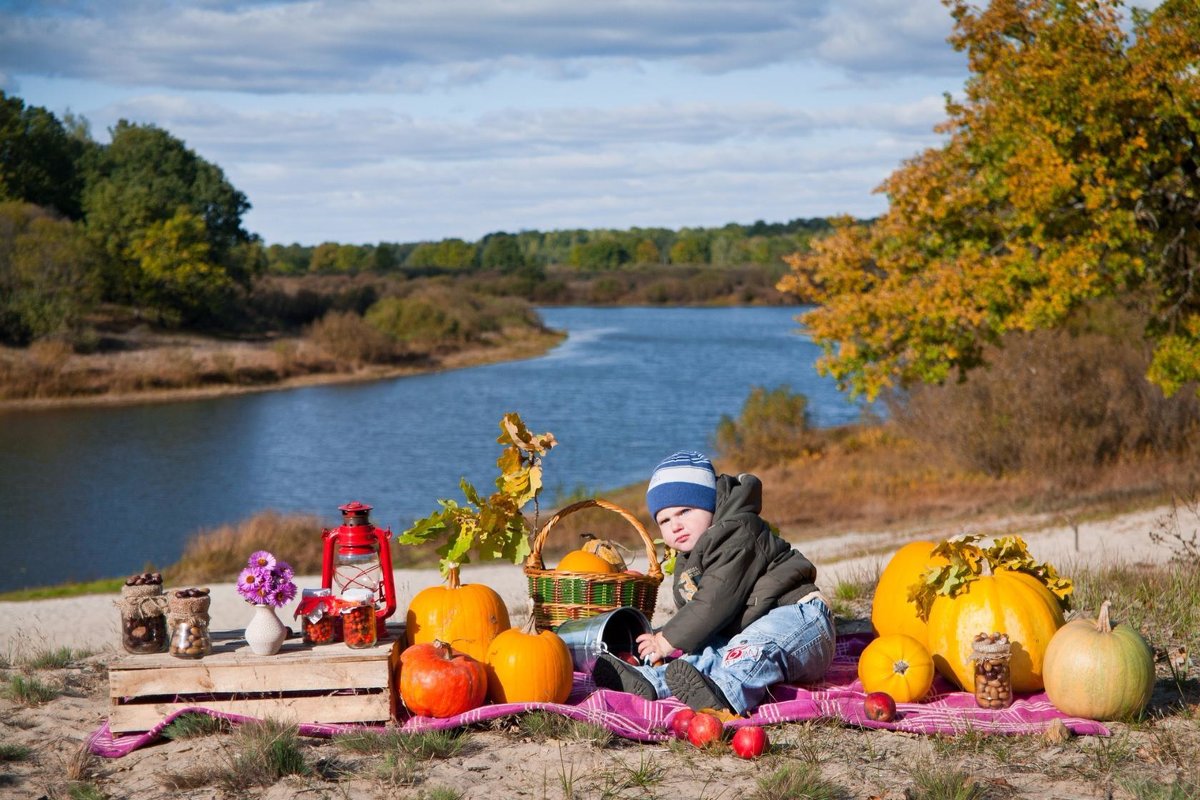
(737, 495)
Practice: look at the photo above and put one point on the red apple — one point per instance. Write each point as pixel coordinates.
(629, 658)
(749, 742)
(681, 722)
(704, 729)
(880, 706)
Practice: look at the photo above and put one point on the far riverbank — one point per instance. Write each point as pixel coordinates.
(126, 369)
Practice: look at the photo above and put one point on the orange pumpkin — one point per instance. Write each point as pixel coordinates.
(436, 681)
(525, 666)
(896, 664)
(583, 561)
(1006, 602)
(1099, 670)
(467, 616)
(891, 610)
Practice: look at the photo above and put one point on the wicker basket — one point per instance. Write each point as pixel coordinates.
(560, 596)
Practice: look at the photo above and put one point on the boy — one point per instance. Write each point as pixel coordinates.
(749, 613)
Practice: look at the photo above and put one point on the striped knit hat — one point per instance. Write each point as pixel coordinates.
(683, 479)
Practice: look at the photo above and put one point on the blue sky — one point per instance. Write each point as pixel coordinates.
(361, 121)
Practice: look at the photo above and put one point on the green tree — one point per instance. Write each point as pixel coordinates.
(646, 252)
(453, 255)
(1071, 171)
(47, 273)
(502, 252)
(140, 180)
(39, 158)
(774, 426)
(602, 254)
(690, 248)
(292, 259)
(178, 277)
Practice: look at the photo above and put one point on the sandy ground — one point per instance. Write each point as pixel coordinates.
(509, 760)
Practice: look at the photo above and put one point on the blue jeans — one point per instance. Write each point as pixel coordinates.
(791, 644)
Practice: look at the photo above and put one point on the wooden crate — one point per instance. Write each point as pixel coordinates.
(300, 684)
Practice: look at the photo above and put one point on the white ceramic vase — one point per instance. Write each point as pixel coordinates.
(265, 632)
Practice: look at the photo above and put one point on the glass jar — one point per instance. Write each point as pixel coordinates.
(317, 624)
(191, 639)
(143, 614)
(358, 619)
(142, 635)
(993, 678)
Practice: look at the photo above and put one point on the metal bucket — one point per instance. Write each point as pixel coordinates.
(613, 631)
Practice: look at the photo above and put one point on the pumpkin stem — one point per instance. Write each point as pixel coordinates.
(1103, 625)
(900, 667)
(452, 580)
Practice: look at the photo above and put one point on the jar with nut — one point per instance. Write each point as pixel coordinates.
(189, 620)
(191, 640)
(993, 678)
(143, 614)
(358, 618)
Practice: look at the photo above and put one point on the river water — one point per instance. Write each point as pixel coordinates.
(100, 492)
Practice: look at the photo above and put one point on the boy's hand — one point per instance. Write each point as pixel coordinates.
(654, 647)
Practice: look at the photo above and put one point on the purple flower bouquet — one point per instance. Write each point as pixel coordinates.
(266, 580)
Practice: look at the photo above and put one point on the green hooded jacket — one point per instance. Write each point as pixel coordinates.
(737, 572)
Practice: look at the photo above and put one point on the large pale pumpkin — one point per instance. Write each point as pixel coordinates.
(1006, 602)
(896, 664)
(891, 610)
(529, 667)
(1099, 670)
(467, 616)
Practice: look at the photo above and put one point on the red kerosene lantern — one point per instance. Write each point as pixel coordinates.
(357, 556)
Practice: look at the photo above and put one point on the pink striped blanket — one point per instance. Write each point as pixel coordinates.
(838, 697)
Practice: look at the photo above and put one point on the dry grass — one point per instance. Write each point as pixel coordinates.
(219, 553)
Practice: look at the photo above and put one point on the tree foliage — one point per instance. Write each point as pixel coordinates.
(39, 158)
(1071, 171)
(139, 182)
(178, 276)
(47, 273)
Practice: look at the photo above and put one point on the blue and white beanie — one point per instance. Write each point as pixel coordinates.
(683, 479)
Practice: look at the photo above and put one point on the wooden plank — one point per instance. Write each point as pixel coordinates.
(299, 684)
(292, 710)
(237, 652)
(205, 676)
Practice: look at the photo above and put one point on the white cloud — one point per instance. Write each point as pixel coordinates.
(378, 46)
(369, 120)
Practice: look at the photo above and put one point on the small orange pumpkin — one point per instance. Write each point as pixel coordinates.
(897, 664)
(525, 666)
(583, 561)
(436, 681)
(466, 615)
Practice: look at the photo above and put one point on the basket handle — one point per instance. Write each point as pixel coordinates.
(534, 561)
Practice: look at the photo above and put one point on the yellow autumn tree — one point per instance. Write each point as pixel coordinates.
(1070, 171)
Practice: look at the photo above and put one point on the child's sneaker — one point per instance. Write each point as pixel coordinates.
(695, 689)
(611, 672)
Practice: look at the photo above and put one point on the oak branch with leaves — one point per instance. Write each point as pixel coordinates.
(494, 527)
(967, 562)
